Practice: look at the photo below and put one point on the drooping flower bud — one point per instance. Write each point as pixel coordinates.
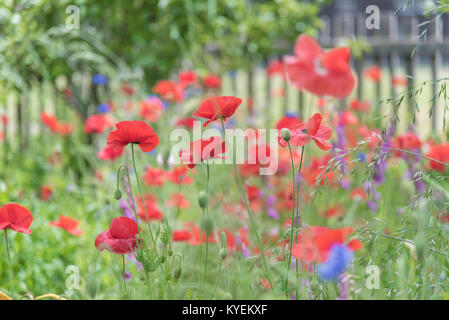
(117, 194)
(208, 225)
(285, 134)
(202, 199)
(177, 273)
(223, 253)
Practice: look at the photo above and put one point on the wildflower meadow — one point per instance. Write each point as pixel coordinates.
(218, 150)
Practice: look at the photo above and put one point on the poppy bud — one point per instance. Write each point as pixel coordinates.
(208, 225)
(161, 259)
(202, 199)
(117, 194)
(285, 134)
(170, 253)
(223, 253)
(223, 239)
(177, 273)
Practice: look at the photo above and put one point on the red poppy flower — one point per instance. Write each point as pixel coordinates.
(178, 175)
(276, 67)
(68, 224)
(318, 72)
(317, 169)
(15, 217)
(288, 122)
(373, 73)
(313, 130)
(315, 242)
(181, 235)
(186, 78)
(214, 108)
(346, 118)
(169, 90)
(46, 193)
(150, 209)
(407, 141)
(151, 109)
(50, 121)
(439, 152)
(95, 124)
(358, 194)
(137, 132)
(198, 236)
(154, 177)
(186, 122)
(212, 81)
(201, 150)
(264, 283)
(356, 105)
(4, 119)
(333, 212)
(400, 81)
(64, 128)
(120, 238)
(109, 153)
(178, 200)
(127, 89)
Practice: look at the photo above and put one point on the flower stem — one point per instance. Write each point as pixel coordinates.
(141, 195)
(206, 212)
(250, 213)
(298, 218)
(289, 261)
(11, 275)
(146, 214)
(139, 247)
(124, 271)
(218, 278)
(205, 263)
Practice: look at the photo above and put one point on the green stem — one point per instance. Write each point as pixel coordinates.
(124, 271)
(146, 214)
(298, 219)
(141, 196)
(250, 214)
(139, 247)
(206, 212)
(218, 278)
(11, 275)
(205, 264)
(289, 261)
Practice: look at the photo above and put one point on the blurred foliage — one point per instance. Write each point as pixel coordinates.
(155, 37)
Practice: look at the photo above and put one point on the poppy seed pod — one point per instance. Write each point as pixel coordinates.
(202, 199)
(223, 253)
(177, 273)
(208, 225)
(117, 194)
(285, 134)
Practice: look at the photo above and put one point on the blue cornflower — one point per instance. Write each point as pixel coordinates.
(103, 108)
(339, 259)
(290, 114)
(99, 79)
(361, 156)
